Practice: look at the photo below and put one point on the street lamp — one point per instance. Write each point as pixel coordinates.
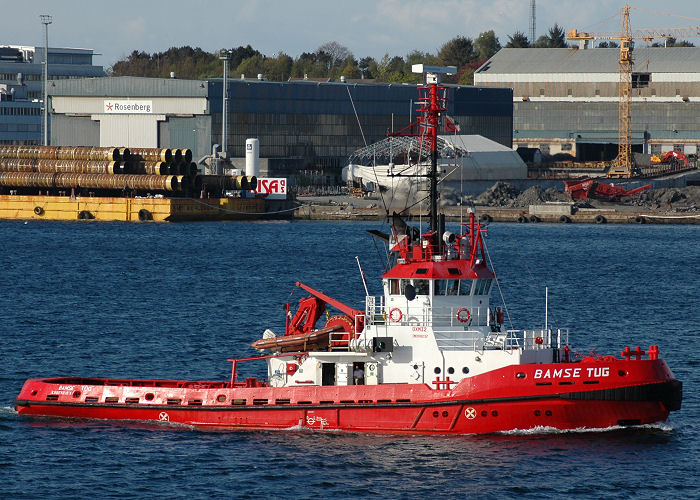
(224, 55)
(46, 20)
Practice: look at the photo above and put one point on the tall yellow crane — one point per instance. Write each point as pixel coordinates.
(622, 165)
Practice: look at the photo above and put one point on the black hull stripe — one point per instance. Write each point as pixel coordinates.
(669, 393)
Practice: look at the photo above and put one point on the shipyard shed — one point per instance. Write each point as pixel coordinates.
(302, 126)
(486, 160)
(565, 101)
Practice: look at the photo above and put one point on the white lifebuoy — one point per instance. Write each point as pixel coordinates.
(395, 315)
(463, 315)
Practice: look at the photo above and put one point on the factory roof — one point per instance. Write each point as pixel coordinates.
(605, 60)
(132, 86)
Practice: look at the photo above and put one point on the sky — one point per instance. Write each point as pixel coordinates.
(366, 27)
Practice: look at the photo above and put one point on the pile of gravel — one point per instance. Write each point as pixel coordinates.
(501, 194)
(535, 195)
(687, 198)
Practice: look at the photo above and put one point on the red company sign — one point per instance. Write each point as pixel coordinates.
(273, 188)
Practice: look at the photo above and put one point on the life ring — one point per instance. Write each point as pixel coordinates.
(38, 211)
(395, 315)
(539, 340)
(462, 318)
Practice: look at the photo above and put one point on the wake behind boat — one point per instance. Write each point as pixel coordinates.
(430, 355)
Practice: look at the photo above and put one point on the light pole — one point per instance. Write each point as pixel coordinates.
(46, 20)
(224, 55)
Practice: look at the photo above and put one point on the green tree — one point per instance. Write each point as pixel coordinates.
(466, 76)
(367, 67)
(457, 52)
(418, 57)
(240, 53)
(518, 40)
(278, 69)
(251, 66)
(334, 53)
(608, 45)
(672, 42)
(554, 39)
(486, 45)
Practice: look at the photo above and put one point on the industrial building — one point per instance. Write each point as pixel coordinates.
(301, 125)
(21, 80)
(566, 100)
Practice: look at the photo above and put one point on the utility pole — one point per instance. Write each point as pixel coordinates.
(46, 20)
(224, 55)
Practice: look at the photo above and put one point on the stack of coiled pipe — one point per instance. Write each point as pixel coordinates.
(137, 169)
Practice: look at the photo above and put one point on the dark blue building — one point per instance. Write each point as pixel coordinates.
(301, 125)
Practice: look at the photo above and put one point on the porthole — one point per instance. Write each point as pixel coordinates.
(445, 414)
(520, 375)
(221, 398)
(149, 396)
(484, 413)
(437, 370)
(76, 394)
(548, 413)
(450, 370)
(465, 370)
(538, 413)
(494, 413)
(436, 414)
(622, 373)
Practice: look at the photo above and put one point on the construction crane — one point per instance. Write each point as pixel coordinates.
(622, 166)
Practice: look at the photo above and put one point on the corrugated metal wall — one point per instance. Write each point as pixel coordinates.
(665, 119)
(186, 132)
(74, 131)
(134, 131)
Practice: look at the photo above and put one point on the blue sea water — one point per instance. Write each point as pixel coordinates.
(176, 300)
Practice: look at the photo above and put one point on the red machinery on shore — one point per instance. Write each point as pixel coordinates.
(588, 188)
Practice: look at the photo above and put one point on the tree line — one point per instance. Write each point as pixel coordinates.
(333, 60)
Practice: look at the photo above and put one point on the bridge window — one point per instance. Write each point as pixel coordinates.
(465, 287)
(422, 287)
(483, 286)
(394, 288)
(447, 287)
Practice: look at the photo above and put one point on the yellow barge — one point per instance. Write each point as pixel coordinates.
(43, 207)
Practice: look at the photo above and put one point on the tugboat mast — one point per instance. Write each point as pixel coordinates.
(431, 104)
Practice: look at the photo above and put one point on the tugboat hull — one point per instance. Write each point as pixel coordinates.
(502, 400)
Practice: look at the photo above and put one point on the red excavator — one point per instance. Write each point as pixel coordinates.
(589, 188)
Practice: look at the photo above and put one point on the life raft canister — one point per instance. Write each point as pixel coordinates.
(463, 315)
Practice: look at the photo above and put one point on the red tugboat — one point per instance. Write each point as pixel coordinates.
(428, 356)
